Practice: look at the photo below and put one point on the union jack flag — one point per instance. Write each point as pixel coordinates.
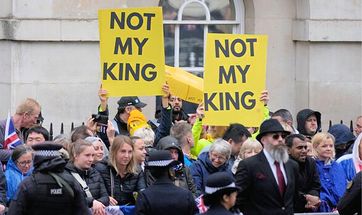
(200, 204)
(11, 139)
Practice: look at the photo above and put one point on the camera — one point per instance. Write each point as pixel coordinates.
(100, 119)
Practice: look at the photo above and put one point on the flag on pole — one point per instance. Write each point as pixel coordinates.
(11, 139)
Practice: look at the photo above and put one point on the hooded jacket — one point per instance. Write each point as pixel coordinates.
(41, 194)
(342, 135)
(183, 177)
(352, 163)
(95, 183)
(302, 117)
(202, 168)
(333, 184)
(14, 177)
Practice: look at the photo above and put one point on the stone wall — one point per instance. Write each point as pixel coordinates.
(49, 50)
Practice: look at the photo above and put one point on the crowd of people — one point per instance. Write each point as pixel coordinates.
(175, 164)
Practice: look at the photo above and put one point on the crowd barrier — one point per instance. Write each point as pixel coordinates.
(120, 210)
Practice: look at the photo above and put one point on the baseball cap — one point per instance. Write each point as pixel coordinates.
(130, 100)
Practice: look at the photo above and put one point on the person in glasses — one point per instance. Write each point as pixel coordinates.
(215, 160)
(26, 116)
(268, 179)
(19, 166)
(308, 175)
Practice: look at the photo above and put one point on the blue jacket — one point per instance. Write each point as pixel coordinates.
(13, 178)
(352, 161)
(333, 184)
(202, 168)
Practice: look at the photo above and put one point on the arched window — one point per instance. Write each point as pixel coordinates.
(187, 22)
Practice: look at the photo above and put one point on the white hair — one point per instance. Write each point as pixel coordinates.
(222, 147)
(146, 134)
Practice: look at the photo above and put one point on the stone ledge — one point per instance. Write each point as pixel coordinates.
(49, 30)
(327, 30)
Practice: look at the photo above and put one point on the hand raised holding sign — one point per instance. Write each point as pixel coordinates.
(103, 97)
(166, 95)
(265, 97)
(200, 111)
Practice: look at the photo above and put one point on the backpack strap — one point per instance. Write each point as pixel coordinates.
(83, 184)
(62, 183)
(115, 126)
(112, 181)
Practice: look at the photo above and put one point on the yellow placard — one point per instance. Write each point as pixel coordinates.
(184, 84)
(235, 70)
(132, 51)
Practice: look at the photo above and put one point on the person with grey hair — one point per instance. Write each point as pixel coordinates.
(19, 166)
(100, 148)
(286, 120)
(215, 160)
(147, 135)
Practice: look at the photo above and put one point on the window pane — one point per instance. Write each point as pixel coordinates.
(221, 9)
(194, 11)
(169, 40)
(227, 29)
(191, 45)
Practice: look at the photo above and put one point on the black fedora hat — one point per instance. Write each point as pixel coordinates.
(270, 126)
(220, 182)
(159, 159)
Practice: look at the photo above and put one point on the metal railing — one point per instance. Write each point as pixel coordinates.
(51, 130)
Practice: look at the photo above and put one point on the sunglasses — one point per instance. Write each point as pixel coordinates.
(277, 136)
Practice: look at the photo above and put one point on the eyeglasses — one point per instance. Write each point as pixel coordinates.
(24, 163)
(220, 158)
(277, 136)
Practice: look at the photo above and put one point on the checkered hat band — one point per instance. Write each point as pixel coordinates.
(159, 163)
(47, 153)
(211, 190)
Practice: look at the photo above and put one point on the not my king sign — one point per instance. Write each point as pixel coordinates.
(131, 51)
(234, 78)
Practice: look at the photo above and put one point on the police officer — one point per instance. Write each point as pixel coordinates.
(163, 197)
(50, 189)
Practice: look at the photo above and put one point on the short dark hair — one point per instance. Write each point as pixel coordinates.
(80, 132)
(236, 132)
(39, 130)
(284, 114)
(216, 198)
(289, 139)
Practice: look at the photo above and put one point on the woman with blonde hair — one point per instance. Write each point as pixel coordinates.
(249, 148)
(81, 154)
(332, 177)
(121, 174)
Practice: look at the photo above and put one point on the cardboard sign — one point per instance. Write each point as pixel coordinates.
(131, 49)
(184, 84)
(234, 79)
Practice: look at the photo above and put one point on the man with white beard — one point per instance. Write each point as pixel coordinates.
(268, 179)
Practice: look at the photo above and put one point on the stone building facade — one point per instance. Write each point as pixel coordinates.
(49, 50)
